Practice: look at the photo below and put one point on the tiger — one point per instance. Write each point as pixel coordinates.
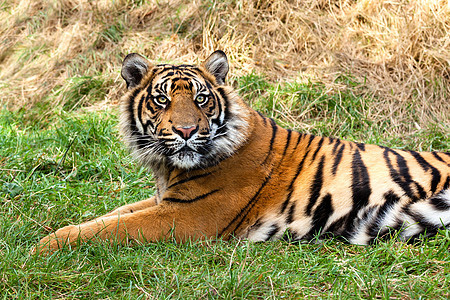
(223, 170)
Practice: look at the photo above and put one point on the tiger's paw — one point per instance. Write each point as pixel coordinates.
(57, 240)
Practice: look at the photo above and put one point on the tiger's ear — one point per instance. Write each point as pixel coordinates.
(217, 65)
(134, 67)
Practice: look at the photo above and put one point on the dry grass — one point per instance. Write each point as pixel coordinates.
(398, 50)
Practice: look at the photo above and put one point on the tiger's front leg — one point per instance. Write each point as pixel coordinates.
(158, 222)
(130, 208)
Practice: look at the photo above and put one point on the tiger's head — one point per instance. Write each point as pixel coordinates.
(181, 115)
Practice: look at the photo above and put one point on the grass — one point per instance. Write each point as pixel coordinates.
(74, 168)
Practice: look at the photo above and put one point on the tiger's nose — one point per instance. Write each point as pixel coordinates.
(186, 131)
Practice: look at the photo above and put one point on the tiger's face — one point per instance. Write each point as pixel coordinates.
(180, 115)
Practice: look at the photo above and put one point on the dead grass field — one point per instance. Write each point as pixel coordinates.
(59, 54)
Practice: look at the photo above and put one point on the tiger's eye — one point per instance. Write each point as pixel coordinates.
(161, 99)
(201, 99)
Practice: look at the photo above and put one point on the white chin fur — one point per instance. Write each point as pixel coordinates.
(185, 160)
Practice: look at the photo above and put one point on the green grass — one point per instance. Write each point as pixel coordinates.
(74, 168)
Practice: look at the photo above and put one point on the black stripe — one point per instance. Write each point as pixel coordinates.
(160, 86)
(291, 185)
(247, 207)
(288, 139)
(360, 181)
(149, 105)
(387, 233)
(286, 201)
(164, 134)
(336, 144)
(360, 190)
(435, 174)
(198, 72)
(140, 107)
(272, 140)
(316, 187)
(299, 137)
(177, 200)
(439, 202)
(447, 183)
(169, 173)
(132, 120)
(255, 226)
(404, 172)
(208, 85)
(401, 177)
(189, 179)
(274, 229)
(311, 138)
(290, 216)
(420, 190)
(337, 226)
(224, 97)
(422, 162)
(419, 219)
(318, 146)
(252, 202)
(337, 159)
(185, 79)
(323, 211)
(436, 155)
(263, 118)
(390, 199)
(361, 146)
(179, 175)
